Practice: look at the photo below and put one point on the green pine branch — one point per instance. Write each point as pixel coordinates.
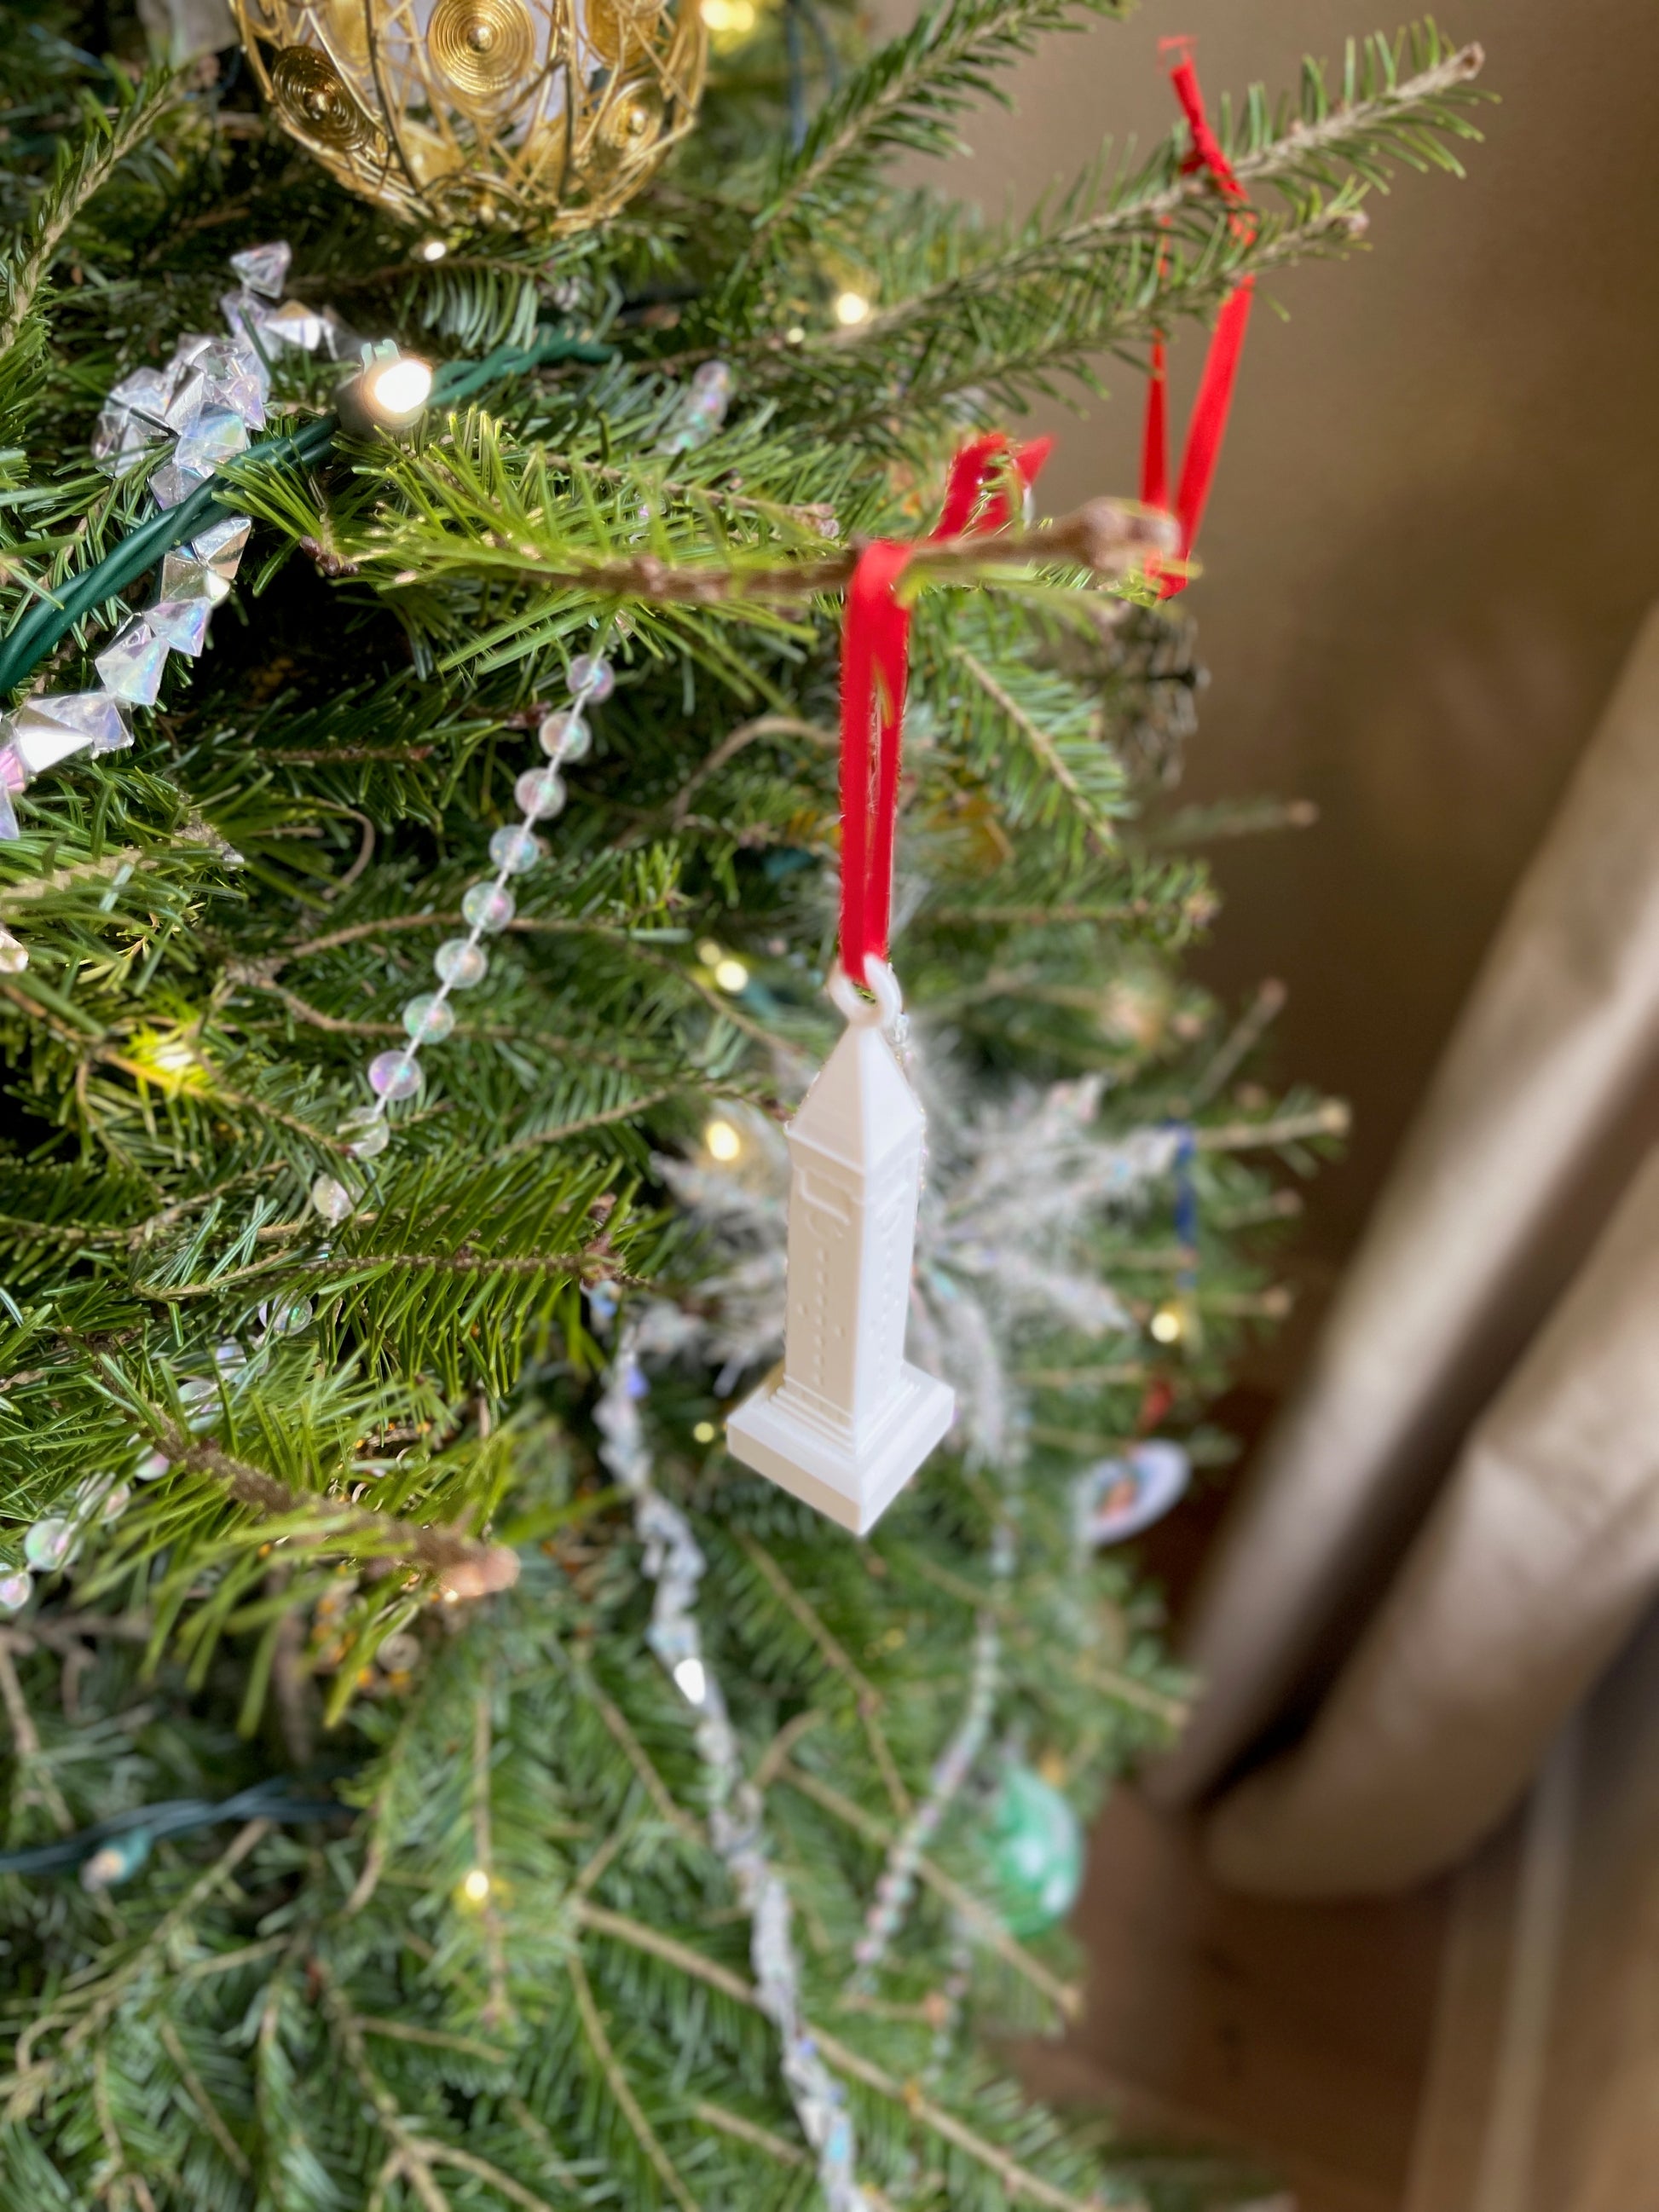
(1405, 100)
(908, 94)
(85, 165)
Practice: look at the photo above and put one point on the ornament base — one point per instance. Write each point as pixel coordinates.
(852, 1487)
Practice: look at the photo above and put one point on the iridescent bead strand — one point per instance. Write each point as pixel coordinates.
(488, 908)
(895, 1886)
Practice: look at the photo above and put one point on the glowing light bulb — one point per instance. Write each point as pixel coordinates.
(1167, 1325)
(431, 249)
(392, 391)
(722, 1140)
(692, 1680)
(704, 1433)
(730, 974)
(169, 1061)
(851, 308)
(475, 1887)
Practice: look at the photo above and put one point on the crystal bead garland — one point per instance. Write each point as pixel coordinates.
(675, 1565)
(487, 907)
(198, 407)
(896, 1883)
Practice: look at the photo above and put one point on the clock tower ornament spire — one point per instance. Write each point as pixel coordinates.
(847, 1421)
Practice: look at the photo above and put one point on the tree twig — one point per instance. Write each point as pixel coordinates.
(621, 2089)
(459, 1561)
(867, 1696)
(131, 126)
(27, 1738)
(173, 2045)
(1017, 2180)
(30, 2075)
(1330, 1118)
(638, 1758)
(1107, 537)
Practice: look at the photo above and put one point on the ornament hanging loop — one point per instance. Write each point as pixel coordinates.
(885, 1010)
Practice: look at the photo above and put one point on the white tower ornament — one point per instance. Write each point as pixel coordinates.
(846, 1420)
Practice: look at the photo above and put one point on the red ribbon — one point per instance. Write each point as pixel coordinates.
(874, 672)
(1209, 427)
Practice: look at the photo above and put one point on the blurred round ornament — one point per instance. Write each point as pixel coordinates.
(1118, 1497)
(1033, 1850)
(543, 115)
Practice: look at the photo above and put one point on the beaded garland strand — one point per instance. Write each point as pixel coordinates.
(736, 1813)
(488, 907)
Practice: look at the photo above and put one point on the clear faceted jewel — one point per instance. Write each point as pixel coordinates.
(131, 667)
(221, 546)
(340, 341)
(42, 744)
(264, 269)
(182, 622)
(185, 577)
(246, 314)
(13, 776)
(118, 438)
(86, 717)
(295, 325)
(188, 398)
(218, 434)
(236, 378)
(172, 483)
(145, 391)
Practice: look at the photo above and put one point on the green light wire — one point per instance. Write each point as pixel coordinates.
(51, 618)
(276, 1799)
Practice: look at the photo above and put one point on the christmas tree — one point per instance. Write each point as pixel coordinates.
(436, 1774)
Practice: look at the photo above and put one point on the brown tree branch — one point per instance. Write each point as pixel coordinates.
(460, 1563)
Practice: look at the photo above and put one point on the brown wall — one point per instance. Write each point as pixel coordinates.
(1434, 530)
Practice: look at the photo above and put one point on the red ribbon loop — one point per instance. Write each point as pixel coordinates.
(1207, 429)
(874, 672)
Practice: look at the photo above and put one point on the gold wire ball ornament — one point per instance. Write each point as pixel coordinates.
(537, 114)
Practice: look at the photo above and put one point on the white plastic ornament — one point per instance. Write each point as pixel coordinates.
(847, 1421)
(1118, 1497)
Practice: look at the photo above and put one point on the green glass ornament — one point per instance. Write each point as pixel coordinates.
(1034, 1851)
